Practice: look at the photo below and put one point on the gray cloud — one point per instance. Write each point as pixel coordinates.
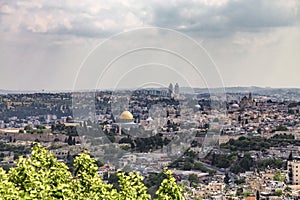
(234, 16)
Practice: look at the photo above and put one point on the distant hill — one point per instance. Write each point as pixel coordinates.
(4, 92)
(278, 93)
(286, 93)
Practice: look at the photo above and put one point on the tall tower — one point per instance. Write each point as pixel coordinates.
(176, 88)
(171, 88)
(250, 97)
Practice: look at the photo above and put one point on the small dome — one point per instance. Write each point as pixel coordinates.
(149, 119)
(69, 118)
(126, 115)
(235, 105)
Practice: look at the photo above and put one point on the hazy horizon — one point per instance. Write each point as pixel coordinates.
(132, 89)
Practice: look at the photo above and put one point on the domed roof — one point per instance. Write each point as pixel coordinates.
(149, 119)
(235, 105)
(126, 115)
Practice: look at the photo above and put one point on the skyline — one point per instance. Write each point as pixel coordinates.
(187, 90)
(253, 43)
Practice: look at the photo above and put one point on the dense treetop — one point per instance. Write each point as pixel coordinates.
(41, 176)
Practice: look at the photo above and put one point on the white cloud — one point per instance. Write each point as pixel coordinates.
(6, 9)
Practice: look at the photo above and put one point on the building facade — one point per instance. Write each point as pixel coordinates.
(294, 172)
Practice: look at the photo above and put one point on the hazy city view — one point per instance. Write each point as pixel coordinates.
(150, 100)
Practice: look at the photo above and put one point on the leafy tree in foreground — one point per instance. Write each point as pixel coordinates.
(7, 188)
(132, 187)
(168, 189)
(87, 184)
(41, 176)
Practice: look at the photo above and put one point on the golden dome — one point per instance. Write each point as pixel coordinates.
(126, 115)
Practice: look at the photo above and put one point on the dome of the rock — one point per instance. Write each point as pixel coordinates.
(126, 115)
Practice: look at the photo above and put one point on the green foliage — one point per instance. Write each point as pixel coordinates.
(280, 128)
(243, 164)
(187, 162)
(293, 104)
(278, 192)
(279, 176)
(200, 166)
(153, 181)
(20, 150)
(212, 172)
(28, 128)
(63, 129)
(193, 179)
(239, 191)
(239, 181)
(87, 184)
(240, 163)
(246, 194)
(274, 163)
(260, 143)
(168, 189)
(131, 187)
(283, 136)
(41, 176)
(187, 166)
(223, 160)
(150, 143)
(7, 188)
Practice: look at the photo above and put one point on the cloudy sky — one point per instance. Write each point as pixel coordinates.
(43, 44)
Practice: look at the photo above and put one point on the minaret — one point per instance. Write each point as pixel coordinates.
(171, 88)
(250, 97)
(176, 89)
